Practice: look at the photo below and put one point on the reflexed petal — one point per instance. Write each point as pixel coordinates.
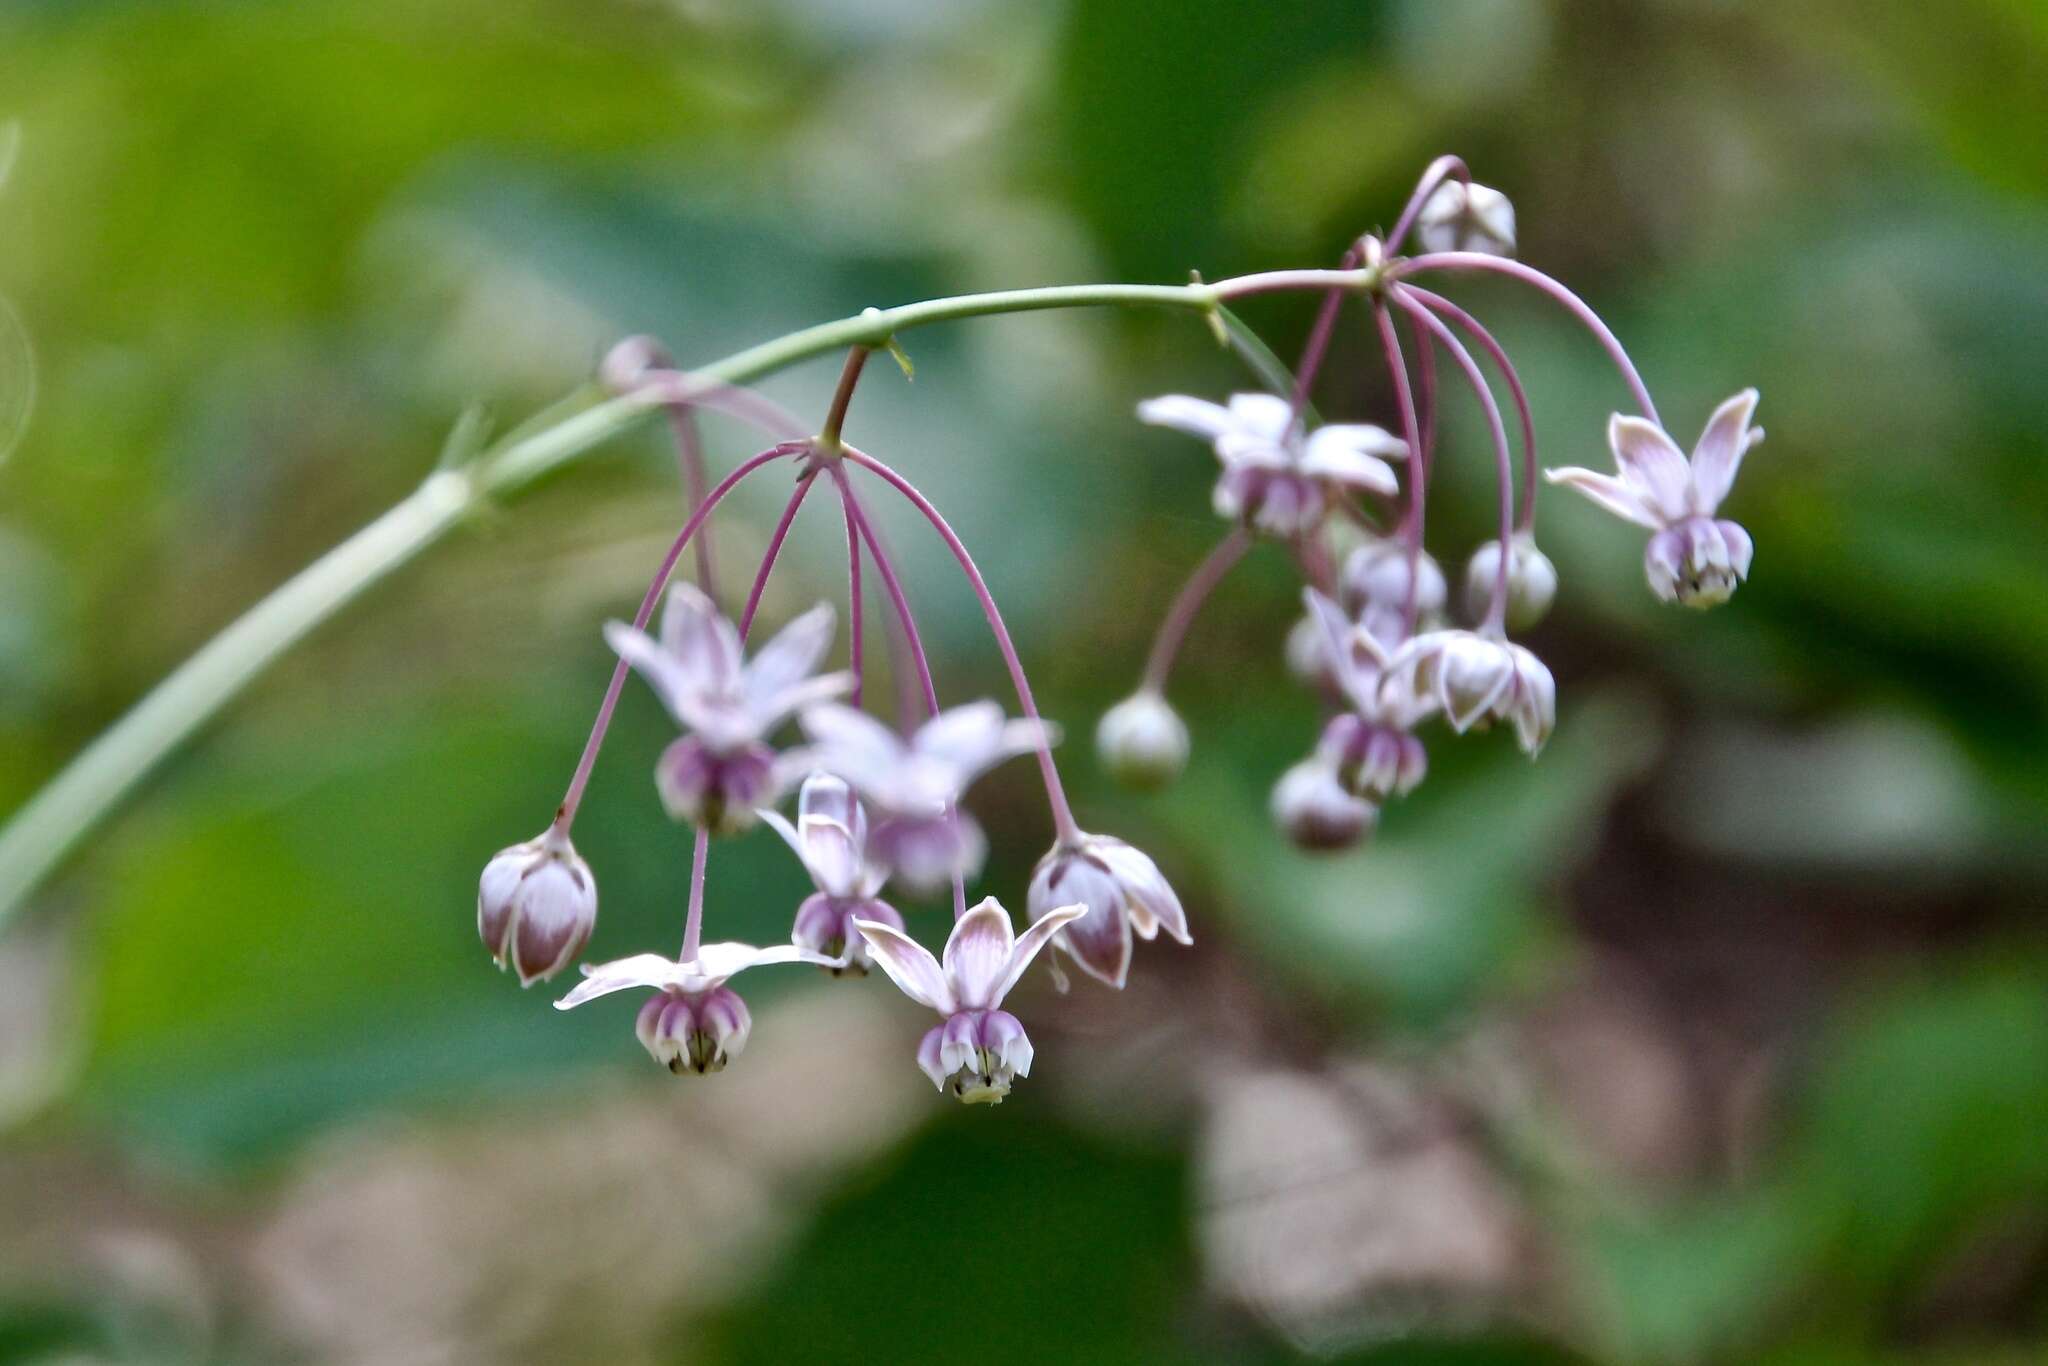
(1718, 455)
(640, 970)
(716, 962)
(1266, 415)
(1340, 465)
(853, 745)
(766, 710)
(1245, 450)
(978, 954)
(910, 965)
(1146, 888)
(791, 656)
(700, 639)
(1362, 437)
(1652, 465)
(831, 855)
(966, 736)
(1032, 940)
(1610, 493)
(660, 668)
(1195, 416)
(824, 794)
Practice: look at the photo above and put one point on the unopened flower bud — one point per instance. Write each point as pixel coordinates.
(536, 906)
(1375, 582)
(1373, 760)
(718, 791)
(1467, 217)
(1142, 741)
(1532, 581)
(1312, 808)
(697, 1031)
(1698, 561)
(975, 1055)
(824, 924)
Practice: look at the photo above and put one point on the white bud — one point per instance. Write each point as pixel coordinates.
(1532, 581)
(536, 906)
(1312, 808)
(1142, 741)
(1462, 217)
(1375, 580)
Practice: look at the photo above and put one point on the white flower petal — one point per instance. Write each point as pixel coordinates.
(1719, 453)
(659, 667)
(1651, 464)
(702, 641)
(910, 965)
(640, 970)
(1030, 942)
(791, 656)
(1261, 415)
(978, 954)
(1609, 492)
(1342, 465)
(1195, 416)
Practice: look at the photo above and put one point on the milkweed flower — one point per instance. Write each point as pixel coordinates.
(915, 784)
(1479, 678)
(1693, 557)
(830, 839)
(694, 1022)
(1278, 477)
(536, 905)
(718, 773)
(1120, 890)
(1373, 588)
(980, 1048)
(1371, 747)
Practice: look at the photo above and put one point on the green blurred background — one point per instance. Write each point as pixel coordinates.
(1719, 1034)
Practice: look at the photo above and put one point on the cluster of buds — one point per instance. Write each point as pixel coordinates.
(880, 807)
(1348, 501)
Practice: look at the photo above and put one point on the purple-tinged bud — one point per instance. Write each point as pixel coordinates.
(1373, 760)
(1375, 581)
(824, 924)
(1142, 741)
(1698, 561)
(697, 1032)
(536, 906)
(1467, 217)
(1312, 808)
(718, 791)
(975, 1055)
(1121, 891)
(1532, 581)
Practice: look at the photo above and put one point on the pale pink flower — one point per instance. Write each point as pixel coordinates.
(980, 1048)
(830, 838)
(1277, 476)
(1120, 890)
(694, 1022)
(719, 772)
(1693, 557)
(536, 905)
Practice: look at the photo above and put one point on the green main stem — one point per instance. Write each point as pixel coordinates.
(39, 836)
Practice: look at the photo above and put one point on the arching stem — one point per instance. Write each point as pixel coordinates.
(1433, 175)
(1210, 572)
(1062, 813)
(1525, 515)
(1411, 524)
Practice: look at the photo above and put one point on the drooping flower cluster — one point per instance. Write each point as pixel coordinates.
(880, 820)
(1375, 644)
